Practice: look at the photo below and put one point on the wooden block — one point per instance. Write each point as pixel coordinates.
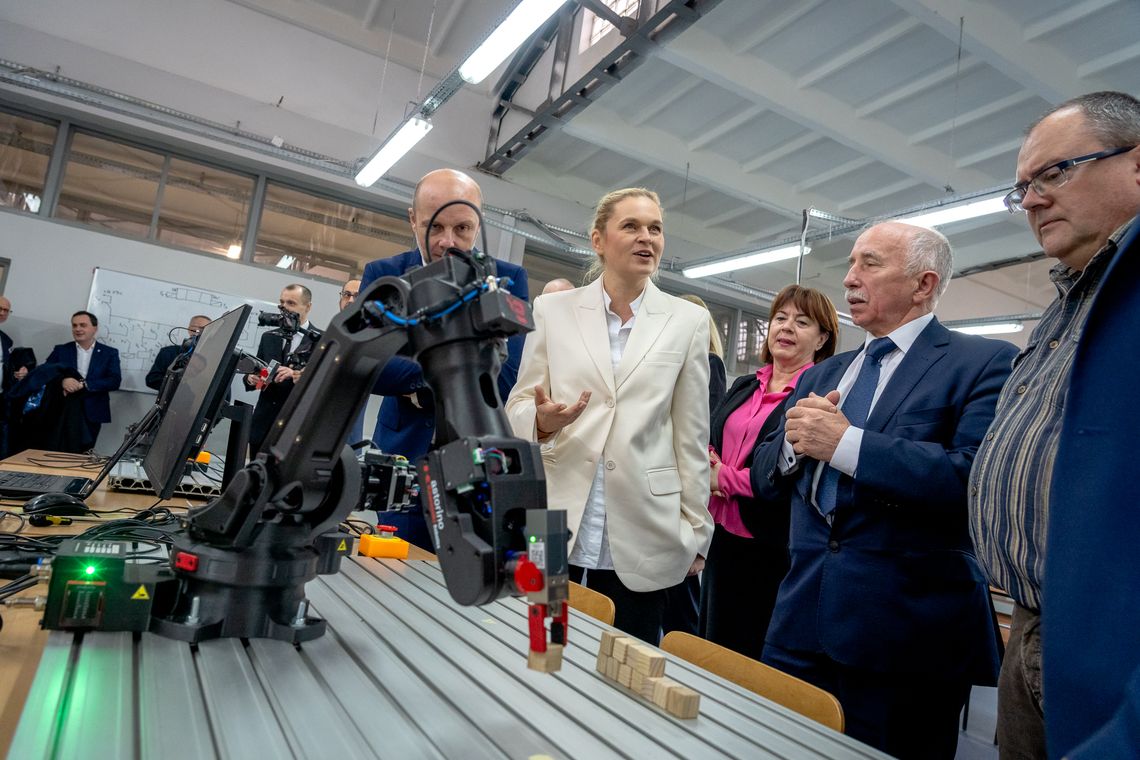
(645, 660)
(625, 673)
(549, 661)
(607, 644)
(683, 702)
(621, 646)
(602, 660)
(612, 666)
(661, 691)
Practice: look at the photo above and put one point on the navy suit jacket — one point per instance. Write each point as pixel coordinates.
(270, 401)
(1091, 592)
(402, 427)
(893, 585)
(103, 376)
(166, 356)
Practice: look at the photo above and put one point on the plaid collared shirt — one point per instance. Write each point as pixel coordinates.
(1013, 469)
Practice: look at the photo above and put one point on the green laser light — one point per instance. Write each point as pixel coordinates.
(90, 570)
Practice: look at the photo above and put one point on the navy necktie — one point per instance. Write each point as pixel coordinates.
(856, 407)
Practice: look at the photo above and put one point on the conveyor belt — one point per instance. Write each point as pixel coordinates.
(403, 672)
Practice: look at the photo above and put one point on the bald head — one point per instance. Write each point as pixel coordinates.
(556, 285)
(5, 309)
(457, 225)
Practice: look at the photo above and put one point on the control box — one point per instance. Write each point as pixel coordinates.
(104, 585)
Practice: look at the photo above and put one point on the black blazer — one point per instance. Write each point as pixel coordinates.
(273, 347)
(767, 521)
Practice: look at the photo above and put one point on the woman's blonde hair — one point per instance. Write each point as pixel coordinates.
(602, 213)
(715, 344)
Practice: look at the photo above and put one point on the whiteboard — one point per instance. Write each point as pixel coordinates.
(139, 315)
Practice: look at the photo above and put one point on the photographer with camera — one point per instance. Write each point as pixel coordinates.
(286, 350)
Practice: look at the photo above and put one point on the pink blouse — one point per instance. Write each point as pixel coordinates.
(740, 432)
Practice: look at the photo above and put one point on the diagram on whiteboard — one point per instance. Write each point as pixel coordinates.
(139, 315)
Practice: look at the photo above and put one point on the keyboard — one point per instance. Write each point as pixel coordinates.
(16, 483)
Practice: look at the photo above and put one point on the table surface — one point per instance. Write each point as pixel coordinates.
(21, 640)
(403, 672)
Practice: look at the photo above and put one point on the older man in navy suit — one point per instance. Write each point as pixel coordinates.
(885, 604)
(406, 421)
(97, 365)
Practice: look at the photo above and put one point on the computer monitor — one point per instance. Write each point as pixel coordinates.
(194, 407)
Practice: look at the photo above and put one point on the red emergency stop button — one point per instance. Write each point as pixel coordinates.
(186, 561)
(527, 576)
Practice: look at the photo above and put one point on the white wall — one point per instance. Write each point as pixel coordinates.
(50, 278)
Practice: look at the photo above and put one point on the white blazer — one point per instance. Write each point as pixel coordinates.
(650, 419)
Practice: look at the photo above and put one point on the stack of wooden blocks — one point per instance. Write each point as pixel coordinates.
(640, 668)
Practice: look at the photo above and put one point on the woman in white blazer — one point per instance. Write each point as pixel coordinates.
(614, 385)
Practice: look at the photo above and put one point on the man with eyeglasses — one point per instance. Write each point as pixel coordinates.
(167, 354)
(1078, 182)
(349, 293)
(406, 422)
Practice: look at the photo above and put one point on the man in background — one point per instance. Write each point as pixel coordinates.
(291, 351)
(1078, 182)
(90, 371)
(14, 366)
(406, 422)
(167, 354)
(348, 294)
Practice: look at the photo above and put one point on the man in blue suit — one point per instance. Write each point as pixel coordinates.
(97, 365)
(406, 421)
(885, 605)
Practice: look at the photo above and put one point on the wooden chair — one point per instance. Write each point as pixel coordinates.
(590, 602)
(789, 691)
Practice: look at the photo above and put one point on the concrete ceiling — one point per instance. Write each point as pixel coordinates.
(757, 110)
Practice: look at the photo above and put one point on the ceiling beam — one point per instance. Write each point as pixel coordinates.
(971, 116)
(883, 191)
(783, 150)
(777, 24)
(835, 172)
(1115, 58)
(918, 86)
(723, 127)
(857, 52)
(599, 125)
(1058, 19)
(990, 34)
(758, 81)
(985, 154)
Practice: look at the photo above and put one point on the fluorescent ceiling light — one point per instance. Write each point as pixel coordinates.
(234, 251)
(285, 262)
(995, 328)
(951, 214)
(745, 261)
(522, 22)
(411, 132)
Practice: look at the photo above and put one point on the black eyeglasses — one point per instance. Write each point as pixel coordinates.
(347, 294)
(1054, 176)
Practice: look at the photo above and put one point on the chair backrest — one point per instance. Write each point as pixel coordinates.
(590, 602)
(789, 691)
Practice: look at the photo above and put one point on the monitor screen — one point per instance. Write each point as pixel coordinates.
(195, 404)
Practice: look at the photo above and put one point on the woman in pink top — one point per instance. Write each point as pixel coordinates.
(749, 553)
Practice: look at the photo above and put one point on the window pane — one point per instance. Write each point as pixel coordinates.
(318, 236)
(204, 208)
(25, 147)
(109, 185)
(749, 340)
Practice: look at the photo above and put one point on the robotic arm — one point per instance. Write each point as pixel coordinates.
(244, 559)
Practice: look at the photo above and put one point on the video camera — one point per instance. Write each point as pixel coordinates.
(286, 321)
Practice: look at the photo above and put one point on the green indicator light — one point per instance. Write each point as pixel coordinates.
(90, 570)
(533, 539)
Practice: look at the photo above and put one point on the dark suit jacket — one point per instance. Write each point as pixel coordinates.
(103, 376)
(893, 584)
(1091, 592)
(273, 347)
(402, 427)
(13, 360)
(162, 362)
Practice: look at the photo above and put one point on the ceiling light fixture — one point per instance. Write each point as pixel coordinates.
(234, 251)
(394, 148)
(746, 260)
(520, 24)
(993, 328)
(950, 214)
(285, 262)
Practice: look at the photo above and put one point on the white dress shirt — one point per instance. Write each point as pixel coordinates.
(297, 338)
(83, 359)
(592, 546)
